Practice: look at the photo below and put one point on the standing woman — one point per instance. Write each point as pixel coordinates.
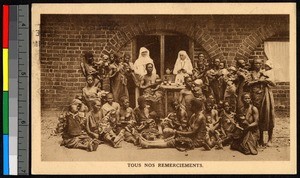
(118, 80)
(183, 67)
(262, 97)
(140, 63)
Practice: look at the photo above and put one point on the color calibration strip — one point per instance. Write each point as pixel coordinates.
(5, 90)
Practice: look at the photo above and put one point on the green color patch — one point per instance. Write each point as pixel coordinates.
(5, 113)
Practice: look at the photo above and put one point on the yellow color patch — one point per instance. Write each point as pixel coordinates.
(5, 69)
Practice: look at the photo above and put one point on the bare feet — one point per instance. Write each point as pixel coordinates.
(269, 144)
(206, 146)
(143, 143)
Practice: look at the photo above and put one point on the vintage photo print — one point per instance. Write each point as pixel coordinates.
(164, 88)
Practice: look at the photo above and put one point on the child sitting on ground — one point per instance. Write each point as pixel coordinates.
(74, 135)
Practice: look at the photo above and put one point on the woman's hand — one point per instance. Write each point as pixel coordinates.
(96, 135)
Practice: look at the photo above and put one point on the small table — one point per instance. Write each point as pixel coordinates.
(170, 88)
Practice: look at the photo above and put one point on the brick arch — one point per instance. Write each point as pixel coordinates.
(197, 33)
(257, 37)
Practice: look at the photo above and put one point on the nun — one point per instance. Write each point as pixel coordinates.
(183, 67)
(140, 63)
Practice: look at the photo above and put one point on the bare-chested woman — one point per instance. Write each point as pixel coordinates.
(248, 119)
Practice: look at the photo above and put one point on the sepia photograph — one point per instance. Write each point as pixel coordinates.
(163, 88)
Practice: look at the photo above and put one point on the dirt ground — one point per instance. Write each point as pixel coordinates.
(52, 151)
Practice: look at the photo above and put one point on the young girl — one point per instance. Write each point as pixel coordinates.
(186, 95)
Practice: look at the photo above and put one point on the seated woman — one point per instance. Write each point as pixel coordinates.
(150, 83)
(91, 91)
(103, 128)
(212, 123)
(74, 135)
(94, 117)
(195, 136)
(248, 119)
(108, 129)
(229, 128)
(141, 112)
(127, 121)
(183, 67)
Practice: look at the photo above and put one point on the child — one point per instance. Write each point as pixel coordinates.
(149, 129)
(110, 105)
(74, 135)
(212, 124)
(141, 112)
(107, 129)
(229, 128)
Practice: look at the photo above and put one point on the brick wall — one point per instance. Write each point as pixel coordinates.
(282, 99)
(64, 38)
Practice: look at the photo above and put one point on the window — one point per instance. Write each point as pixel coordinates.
(278, 54)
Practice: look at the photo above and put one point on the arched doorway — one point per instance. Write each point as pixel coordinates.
(164, 48)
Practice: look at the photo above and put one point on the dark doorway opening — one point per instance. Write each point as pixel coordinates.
(152, 43)
(174, 44)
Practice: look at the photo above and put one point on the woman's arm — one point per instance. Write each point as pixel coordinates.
(195, 128)
(180, 96)
(83, 68)
(143, 83)
(85, 96)
(88, 130)
(255, 115)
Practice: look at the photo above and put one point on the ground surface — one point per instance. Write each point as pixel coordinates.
(52, 151)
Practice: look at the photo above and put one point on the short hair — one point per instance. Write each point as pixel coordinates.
(209, 101)
(185, 78)
(123, 98)
(88, 76)
(244, 94)
(88, 54)
(226, 101)
(93, 102)
(214, 60)
(108, 94)
(196, 103)
(141, 100)
(113, 54)
(149, 64)
(174, 103)
(127, 55)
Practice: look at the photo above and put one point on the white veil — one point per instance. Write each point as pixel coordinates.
(183, 64)
(140, 63)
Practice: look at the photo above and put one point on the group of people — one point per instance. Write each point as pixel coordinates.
(219, 106)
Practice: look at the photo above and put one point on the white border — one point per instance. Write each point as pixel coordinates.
(210, 167)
